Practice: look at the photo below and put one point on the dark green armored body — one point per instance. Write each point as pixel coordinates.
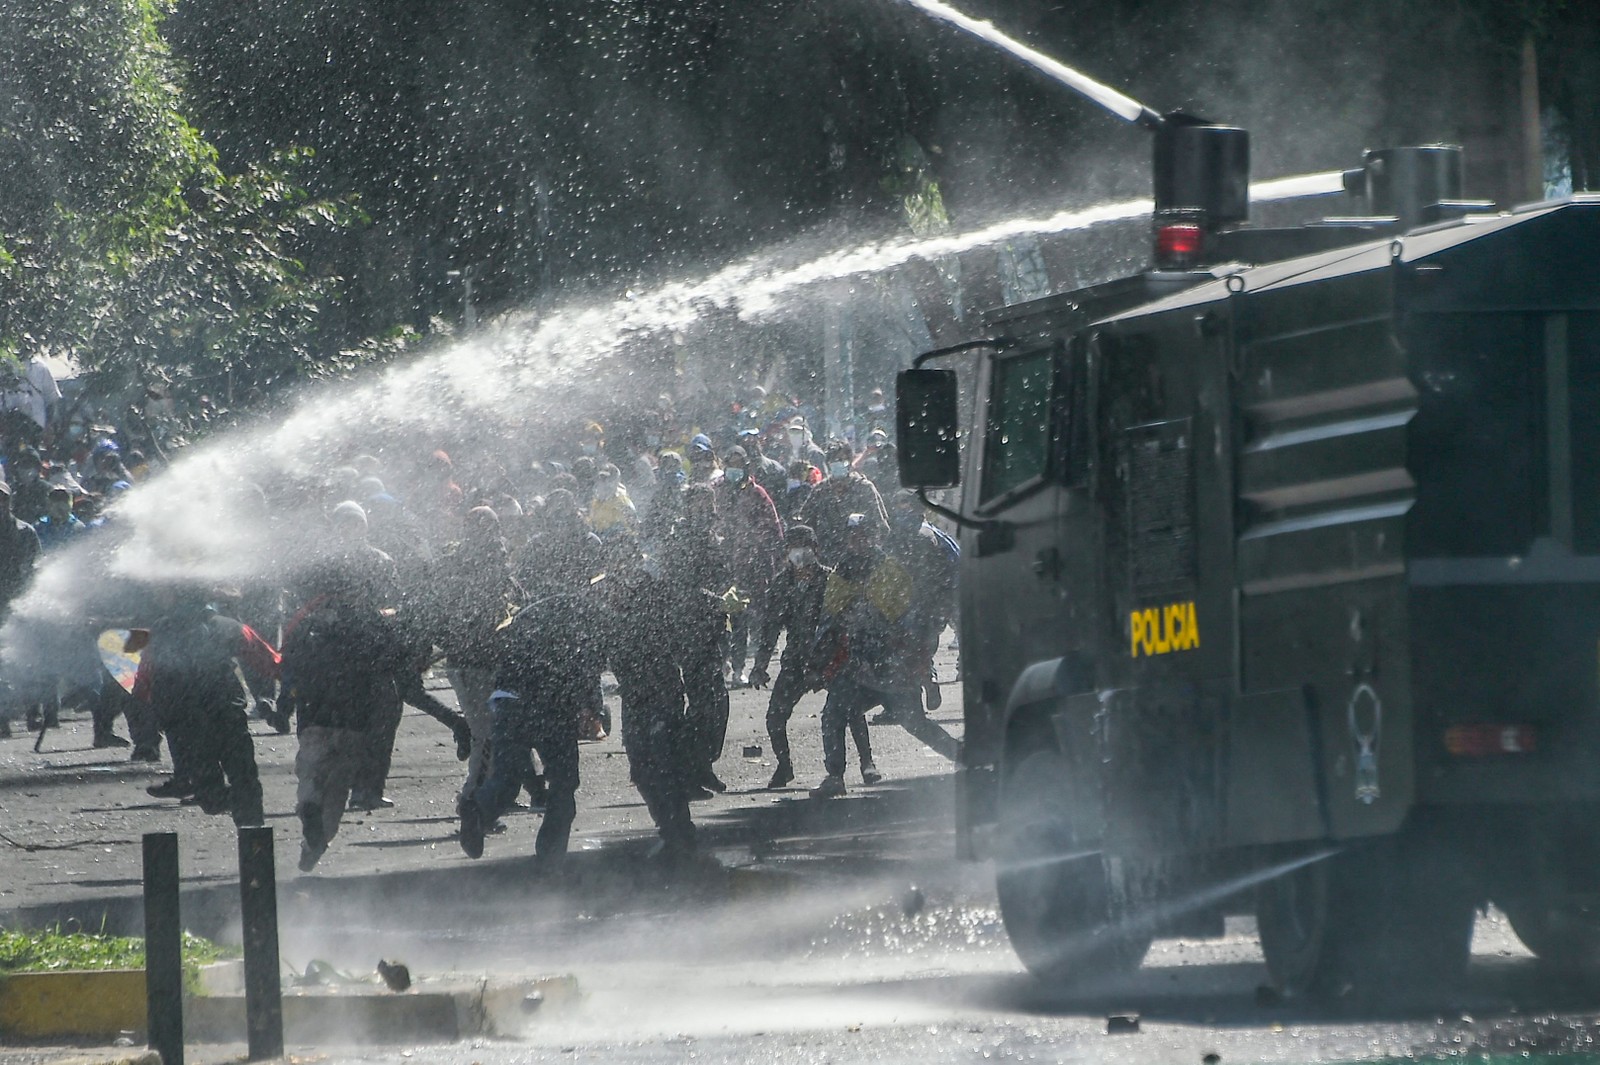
(1281, 594)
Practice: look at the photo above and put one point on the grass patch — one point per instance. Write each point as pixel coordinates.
(52, 950)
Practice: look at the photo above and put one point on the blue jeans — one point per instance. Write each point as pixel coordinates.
(516, 731)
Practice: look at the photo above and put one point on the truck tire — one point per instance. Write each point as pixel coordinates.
(1055, 893)
(1293, 920)
(1372, 920)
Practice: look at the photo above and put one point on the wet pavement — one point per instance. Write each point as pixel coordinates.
(906, 961)
(71, 817)
(837, 931)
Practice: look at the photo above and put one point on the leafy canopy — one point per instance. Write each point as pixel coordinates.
(123, 244)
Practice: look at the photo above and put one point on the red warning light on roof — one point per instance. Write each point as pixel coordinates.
(1179, 244)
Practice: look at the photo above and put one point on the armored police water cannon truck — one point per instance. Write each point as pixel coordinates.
(1280, 585)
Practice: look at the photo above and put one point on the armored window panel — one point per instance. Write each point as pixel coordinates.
(1017, 443)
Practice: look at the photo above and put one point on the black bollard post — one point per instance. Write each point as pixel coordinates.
(258, 898)
(163, 947)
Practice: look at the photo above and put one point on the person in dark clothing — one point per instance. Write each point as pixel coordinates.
(564, 553)
(696, 567)
(767, 472)
(546, 665)
(187, 672)
(105, 468)
(666, 505)
(470, 593)
(566, 557)
(843, 493)
(30, 493)
(637, 630)
(341, 658)
(862, 637)
(58, 527)
(872, 637)
(19, 551)
(703, 463)
(752, 539)
(791, 498)
(366, 574)
(794, 603)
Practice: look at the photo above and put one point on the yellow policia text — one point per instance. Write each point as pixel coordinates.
(1160, 630)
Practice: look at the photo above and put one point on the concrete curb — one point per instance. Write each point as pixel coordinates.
(449, 1010)
(105, 1004)
(66, 1005)
(123, 1057)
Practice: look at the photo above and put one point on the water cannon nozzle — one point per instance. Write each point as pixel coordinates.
(1407, 182)
(1201, 171)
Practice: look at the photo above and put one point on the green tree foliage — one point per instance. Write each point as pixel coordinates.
(123, 245)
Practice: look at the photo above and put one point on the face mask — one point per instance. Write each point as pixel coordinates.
(802, 556)
(797, 437)
(838, 470)
(793, 484)
(733, 475)
(605, 490)
(590, 449)
(652, 440)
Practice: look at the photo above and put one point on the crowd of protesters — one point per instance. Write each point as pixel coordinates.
(672, 553)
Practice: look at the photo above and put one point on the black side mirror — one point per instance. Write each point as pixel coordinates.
(927, 420)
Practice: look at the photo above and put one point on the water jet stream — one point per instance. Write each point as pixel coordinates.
(1119, 104)
(191, 522)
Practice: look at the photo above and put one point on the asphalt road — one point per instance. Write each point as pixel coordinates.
(71, 817)
(834, 931)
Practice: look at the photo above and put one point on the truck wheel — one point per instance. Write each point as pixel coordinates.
(1055, 892)
(1368, 920)
(1563, 935)
(1292, 919)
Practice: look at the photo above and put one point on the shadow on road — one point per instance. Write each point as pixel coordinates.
(1227, 995)
(887, 823)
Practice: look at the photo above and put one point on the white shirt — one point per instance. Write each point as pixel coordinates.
(34, 393)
